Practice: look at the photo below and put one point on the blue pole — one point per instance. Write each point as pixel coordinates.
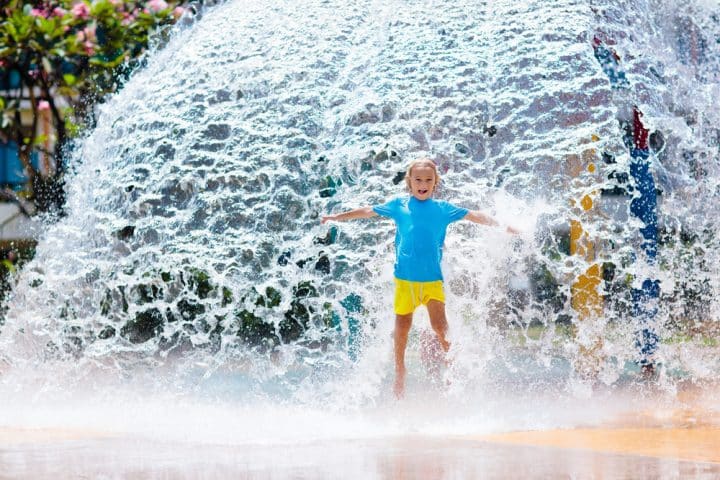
(644, 207)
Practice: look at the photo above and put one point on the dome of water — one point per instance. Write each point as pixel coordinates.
(192, 245)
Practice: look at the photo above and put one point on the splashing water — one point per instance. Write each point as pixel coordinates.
(192, 260)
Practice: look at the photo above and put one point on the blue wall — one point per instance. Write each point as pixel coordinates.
(11, 168)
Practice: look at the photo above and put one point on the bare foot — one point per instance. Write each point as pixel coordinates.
(648, 372)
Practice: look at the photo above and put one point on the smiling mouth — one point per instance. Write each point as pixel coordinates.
(422, 192)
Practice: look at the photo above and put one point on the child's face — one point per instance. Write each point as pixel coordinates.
(422, 182)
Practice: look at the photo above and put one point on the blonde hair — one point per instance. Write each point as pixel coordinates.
(425, 162)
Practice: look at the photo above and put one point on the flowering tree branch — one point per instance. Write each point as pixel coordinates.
(59, 57)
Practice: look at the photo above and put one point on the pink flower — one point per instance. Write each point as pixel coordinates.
(36, 12)
(81, 10)
(43, 105)
(59, 12)
(128, 18)
(157, 5)
(86, 37)
(178, 12)
(89, 32)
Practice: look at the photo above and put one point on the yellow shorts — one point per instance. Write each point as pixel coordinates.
(410, 295)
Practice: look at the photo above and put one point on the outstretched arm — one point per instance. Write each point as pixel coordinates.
(479, 217)
(363, 212)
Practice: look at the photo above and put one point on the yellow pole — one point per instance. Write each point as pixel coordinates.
(586, 298)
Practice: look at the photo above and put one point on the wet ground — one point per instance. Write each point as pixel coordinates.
(658, 440)
(597, 453)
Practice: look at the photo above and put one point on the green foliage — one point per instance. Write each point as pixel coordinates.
(63, 56)
(199, 282)
(259, 319)
(146, 325)
(254, 331)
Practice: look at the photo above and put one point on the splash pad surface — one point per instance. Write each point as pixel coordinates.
(668, 436)
(401, 458)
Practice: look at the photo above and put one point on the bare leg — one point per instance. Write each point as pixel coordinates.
(439, 323)
(402, 328)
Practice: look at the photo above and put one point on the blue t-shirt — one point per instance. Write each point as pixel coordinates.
(420, 235)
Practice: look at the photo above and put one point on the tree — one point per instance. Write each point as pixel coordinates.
(63, 56)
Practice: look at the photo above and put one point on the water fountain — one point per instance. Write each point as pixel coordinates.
(192, 268)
